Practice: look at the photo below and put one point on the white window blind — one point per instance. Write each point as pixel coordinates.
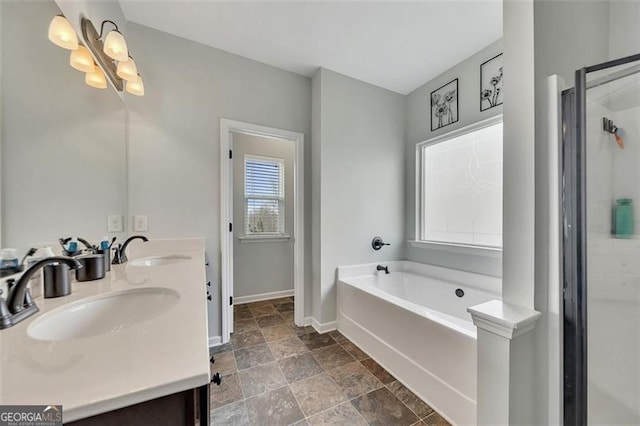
(264, 195)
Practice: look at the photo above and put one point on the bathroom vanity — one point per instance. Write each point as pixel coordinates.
(129, 348)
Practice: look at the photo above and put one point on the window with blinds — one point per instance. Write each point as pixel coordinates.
(264, 195)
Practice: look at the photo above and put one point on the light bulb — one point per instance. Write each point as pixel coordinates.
(81, 59)
(127, 70)
(96, 79)
(115, 46)
(136, 87)
(61, 33)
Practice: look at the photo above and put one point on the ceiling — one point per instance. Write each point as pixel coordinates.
(395, 45)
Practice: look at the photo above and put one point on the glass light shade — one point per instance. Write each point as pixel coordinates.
(96, 79)
(61, 33)
(136, 87)
(127, 70)
(81, 60)
(115, 46)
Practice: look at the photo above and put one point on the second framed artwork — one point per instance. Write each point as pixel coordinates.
(491, 93)
(444, 105)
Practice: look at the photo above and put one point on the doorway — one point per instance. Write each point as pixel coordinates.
(262, 217)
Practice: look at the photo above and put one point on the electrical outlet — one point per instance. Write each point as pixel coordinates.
(140, 223)
(115, 223)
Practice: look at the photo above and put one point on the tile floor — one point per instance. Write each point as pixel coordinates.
(274, 373)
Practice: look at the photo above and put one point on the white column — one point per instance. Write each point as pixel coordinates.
(501, 330)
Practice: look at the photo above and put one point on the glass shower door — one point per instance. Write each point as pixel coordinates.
(602, 245)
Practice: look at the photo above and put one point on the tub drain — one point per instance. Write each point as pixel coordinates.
(459, 292)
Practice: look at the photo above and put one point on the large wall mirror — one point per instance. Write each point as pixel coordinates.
(64, 154)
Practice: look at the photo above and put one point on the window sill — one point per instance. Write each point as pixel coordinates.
(494, 252)
(264, 238)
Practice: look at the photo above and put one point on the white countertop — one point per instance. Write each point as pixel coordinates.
(93, 375)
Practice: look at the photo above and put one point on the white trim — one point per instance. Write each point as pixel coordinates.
(307, 321)
(324, 327)
(226, 215)
(263, 296)
(494, 252)
(504, 319)
(215, 341)
(263, 238)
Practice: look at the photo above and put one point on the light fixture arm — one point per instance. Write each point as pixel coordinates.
(102, 28)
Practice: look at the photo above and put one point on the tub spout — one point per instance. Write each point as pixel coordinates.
(383, 268)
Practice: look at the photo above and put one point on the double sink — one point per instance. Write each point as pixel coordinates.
(111, 312)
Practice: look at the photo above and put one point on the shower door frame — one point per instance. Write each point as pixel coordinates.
(574, 203)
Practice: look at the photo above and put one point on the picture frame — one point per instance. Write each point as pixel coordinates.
(444, 105)
(491, 83)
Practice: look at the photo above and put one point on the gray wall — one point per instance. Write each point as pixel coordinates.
(418, 129)
(261, 266)
(359, 173)
(63, 142)
(174, 135)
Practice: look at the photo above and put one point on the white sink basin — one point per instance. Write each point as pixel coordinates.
(159, 260)
(104, 314)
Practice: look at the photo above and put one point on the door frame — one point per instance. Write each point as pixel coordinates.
(226, 215)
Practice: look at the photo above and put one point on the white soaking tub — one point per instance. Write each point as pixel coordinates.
(414, 322)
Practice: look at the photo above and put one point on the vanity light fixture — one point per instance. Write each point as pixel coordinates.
(82, 60)
(114, 45)
(61, 33)
(96, 79)
(136, 87)
(127, 70)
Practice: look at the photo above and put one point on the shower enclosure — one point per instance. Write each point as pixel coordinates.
(601, 212)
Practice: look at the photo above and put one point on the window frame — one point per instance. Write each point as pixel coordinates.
(420, 207)
(271, 236)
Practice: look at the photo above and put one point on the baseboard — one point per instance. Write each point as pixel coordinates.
(325, 327)
(263, 296)
(215, 341)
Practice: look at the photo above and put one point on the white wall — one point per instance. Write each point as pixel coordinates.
(418, 129)
(174, 135)
(263, 266)
(359, 170)
(63, 152)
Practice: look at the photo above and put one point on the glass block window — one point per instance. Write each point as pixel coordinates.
(264, 195)
(460, 189)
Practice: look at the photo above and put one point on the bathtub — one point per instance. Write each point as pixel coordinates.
(414, 323)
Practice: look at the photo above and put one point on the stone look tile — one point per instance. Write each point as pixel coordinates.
(343, 414)
(269, 320)
(435, 419)
(230, 415)
(242, 314)
(276, 332)
(262, 310)
(287, 316)
(262, 378)
(299, 367)
(276, 407)
(354, 379)
(410, 399)
(301, 331)
(332, 357)
(420, 423)
(227, 347)
(243, 326)
(282, 300)
(253, 356)
(337, 336)
(229, 391)
(285, 307)
(287, 347)
(244, 340)
(316, 394)
(381, 408)
(315, 340)
(355, 351)
(377, 370)
(225, 363)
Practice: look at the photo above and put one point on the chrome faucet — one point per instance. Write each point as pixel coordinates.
(120, 255)
(19, 303)
(383, 268)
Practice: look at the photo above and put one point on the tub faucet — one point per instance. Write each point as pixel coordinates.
(120, 255)
(383, 268)
(19, 304)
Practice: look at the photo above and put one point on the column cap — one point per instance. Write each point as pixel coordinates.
(504, 319)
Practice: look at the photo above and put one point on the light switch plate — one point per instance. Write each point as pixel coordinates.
(115, 223)
(140, 223)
